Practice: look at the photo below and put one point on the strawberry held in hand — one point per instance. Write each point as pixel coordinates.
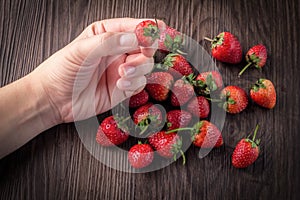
(159, 85)
(246, 152)
(263, 93)
(256, 56)
(225, 47)
(140, 155)
(236, 99)
(147, 32)
(112, 131)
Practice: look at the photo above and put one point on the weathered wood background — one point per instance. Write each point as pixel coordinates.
(55, 165)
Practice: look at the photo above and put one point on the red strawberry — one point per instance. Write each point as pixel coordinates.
(225, 47)
(182, 92)
(246, 152)
(199, 107)
(138, 99)
(263, 93)
(178, 118)
(147, 32)
(170, 40)
(177, 65)
(208, 82)
(110, 134)
(257, 56)
(206, 135)
(167, 145)
(140, 155)
(159, 84)
(147, 114)
(236, 99)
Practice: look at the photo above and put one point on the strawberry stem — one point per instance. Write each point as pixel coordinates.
(255, 131)
(179, 129)
(208, 39)
(214, 100)
(183, 157)
(244, 69)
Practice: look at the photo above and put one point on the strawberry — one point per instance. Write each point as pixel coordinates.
(140, 155)
(147, 114)
(159, 84)
(178, 118)
(182, 92)
(236, 99)
(112, 131)
(246, 151)
(225, 47)
(199, 107)
(257, 56)
(147, 32)
(176, 65)
(208, 82)
(203, 134)
(167, 145)
(170, 40)
(263, 93)
(138, 99)
(207, 135)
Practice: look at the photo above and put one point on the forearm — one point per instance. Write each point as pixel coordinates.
(25, 111)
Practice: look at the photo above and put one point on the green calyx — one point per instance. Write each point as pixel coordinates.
(226, 101)
(218, 40)
(121, 122)
(254, 143)
(152, 31)
(144, 124)
(258, 85)
(174, 45)
(254, 60)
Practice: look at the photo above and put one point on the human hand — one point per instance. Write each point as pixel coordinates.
(103, 66)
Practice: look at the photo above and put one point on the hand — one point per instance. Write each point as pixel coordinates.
(96, 71)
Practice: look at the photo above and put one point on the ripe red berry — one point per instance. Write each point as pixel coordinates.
(147, 32)
(140, 155)
(110, 133)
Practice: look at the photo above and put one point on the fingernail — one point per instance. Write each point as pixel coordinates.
(128, 39)
(129, 71)
(125, 84)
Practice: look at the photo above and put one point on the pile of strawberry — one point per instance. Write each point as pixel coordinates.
(186, 94)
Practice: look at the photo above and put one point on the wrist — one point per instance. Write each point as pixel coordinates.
(46, 110)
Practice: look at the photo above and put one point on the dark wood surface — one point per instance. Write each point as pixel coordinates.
(56, 165)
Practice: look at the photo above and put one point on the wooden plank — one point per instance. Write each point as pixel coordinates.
(56, 165)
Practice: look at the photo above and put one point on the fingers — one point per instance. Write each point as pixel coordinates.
(132, 84)
(115, 25)
(106, 44)
(136, 65)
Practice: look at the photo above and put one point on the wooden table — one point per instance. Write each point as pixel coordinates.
(55, 165)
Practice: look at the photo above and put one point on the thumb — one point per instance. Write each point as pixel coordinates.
(91, 49)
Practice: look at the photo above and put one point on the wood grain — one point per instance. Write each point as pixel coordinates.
(56, 165)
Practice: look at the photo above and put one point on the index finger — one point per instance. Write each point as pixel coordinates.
(115, 25)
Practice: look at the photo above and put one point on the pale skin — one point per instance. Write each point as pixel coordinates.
(100, 68)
